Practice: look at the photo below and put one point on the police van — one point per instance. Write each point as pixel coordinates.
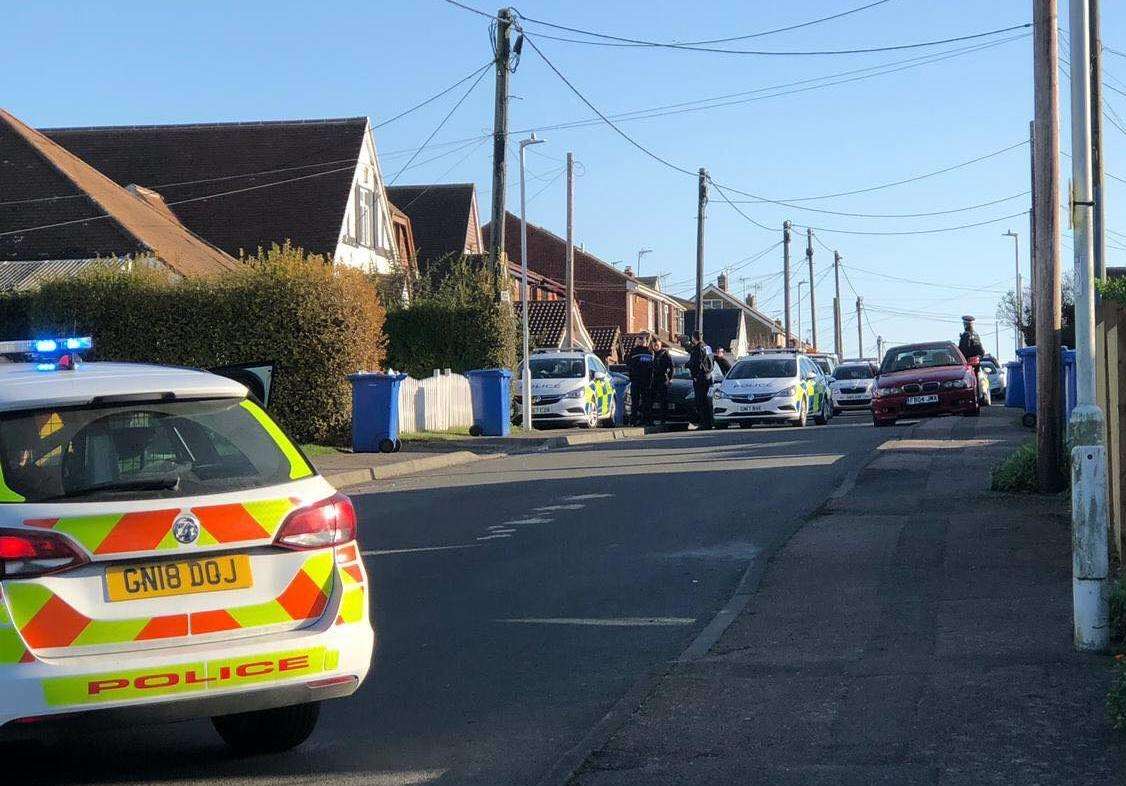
(571, 387)
(166, 552)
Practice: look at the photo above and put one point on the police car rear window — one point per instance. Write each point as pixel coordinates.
(557, 368)
(141, 451)
(764, 368)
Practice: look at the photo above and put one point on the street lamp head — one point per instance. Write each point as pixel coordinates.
(532, 140)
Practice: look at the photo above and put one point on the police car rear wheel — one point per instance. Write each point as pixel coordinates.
(268, 731)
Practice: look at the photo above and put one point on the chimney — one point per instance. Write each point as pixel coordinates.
(722, 281)
(629, 270)
(751, 301)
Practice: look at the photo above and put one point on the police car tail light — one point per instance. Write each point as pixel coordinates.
(25, 554)
(329, 522)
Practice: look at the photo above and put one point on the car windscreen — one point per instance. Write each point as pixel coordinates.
(853, 372)
(144, 451)
(912, 357)
(680, 370)
(764, 368)
(557, 368)
(823, 364)
(988, 367)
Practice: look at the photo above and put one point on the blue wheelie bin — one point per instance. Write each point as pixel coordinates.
(491, 390)
(1027, 357)
(621, 390)
(1068, 383)
(1014, 384)
(375, 412)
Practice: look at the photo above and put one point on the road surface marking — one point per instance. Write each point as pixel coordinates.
(496, 528)
(577, 497)
(493, 537)
(532, 520)
(384, 552)
(546, 508)
(607, 622)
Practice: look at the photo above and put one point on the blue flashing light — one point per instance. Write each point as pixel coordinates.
(80, 343)
(46, 345)
(45, 366)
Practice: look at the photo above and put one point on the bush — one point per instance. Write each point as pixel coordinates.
(317, 322)
(1017, 473)
(1118, 613)
(1116, 699)
(454, 320)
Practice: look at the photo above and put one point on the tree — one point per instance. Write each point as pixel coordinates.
(1025, 322)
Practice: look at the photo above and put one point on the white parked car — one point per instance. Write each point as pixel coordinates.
(775, 387)
(167, 552)
(851, 387)
(569, 387)
(995, 373)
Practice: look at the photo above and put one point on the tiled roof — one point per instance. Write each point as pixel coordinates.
(174, 159)
(29, 275)
(606, 338)
(721, 325)
(547, 321)
(441, 218)
(95, 216)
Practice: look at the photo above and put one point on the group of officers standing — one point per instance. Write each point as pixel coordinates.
(650, 367)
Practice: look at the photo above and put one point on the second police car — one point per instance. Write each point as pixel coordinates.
(166, 552)
(772, 387)
(569, 387)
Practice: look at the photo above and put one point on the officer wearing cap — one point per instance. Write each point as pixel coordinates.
(970, 342)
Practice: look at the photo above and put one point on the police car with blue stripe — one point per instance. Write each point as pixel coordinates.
(571, 387)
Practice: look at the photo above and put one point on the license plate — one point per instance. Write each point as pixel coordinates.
(913, 400)
(540, 410)
(753, 408)
(182, 577)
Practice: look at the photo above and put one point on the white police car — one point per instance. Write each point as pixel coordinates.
(568, 387)
(772, 387)
(166, 552)
(851, 388)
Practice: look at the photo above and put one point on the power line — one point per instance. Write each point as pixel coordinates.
(913, 179)
(760, 34)
(896, 215)
(912, 280)
(436, 96)
(438, 128)
(759, 52)
(915, 231)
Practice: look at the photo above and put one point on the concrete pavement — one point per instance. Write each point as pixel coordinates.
(916, 631)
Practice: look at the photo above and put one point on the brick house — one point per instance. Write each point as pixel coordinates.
(444, 224)
(606, 296)
(761, 330)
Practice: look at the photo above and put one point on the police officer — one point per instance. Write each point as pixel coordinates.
(700, 366)
(662, 377)
(722, 360)
(970, 342)
(639, 364)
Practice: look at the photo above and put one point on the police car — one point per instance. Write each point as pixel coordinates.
(166, 552)
(568, 387)
(772, 387)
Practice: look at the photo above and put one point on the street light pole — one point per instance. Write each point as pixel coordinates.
(526, 370)
(800, 339)
(1087, 426)
(1019, 290)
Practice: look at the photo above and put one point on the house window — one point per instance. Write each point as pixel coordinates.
(664, 318)
(365, 214)
(651, 316)
(713, 304)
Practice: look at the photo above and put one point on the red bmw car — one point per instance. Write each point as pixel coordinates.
(924, 380)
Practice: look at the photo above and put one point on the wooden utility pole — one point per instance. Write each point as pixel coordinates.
(1032, 285)
(1048, 304)
(503, 49)
(786, 277)
(812, 296)
(570, 261)
(860, 327)
(702, 203)
(838, 338)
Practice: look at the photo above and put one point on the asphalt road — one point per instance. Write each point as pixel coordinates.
(515, 601)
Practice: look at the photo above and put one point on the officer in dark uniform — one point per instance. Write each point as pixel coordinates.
(970, 342)
(639, 364)
(662, 377)
(700, 366)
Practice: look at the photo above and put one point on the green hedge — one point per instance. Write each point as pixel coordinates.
(317, 322)
(454, 320)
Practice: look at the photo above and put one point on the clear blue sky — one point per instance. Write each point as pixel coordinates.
(74, 63)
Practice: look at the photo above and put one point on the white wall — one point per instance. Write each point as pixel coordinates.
(383, 257)
(435, 404)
